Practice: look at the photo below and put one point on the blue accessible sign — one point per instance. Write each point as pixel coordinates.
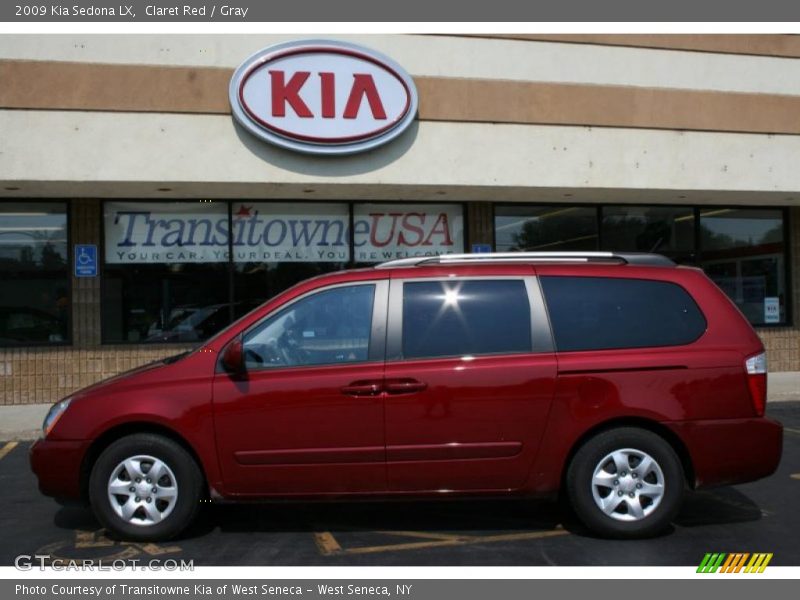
(85, 260)
(481, 248)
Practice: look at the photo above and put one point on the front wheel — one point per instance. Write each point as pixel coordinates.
(625, 483)
(145, 487)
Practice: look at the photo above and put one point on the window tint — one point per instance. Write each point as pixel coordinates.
(330, 327)
(545, 228)
(457, 318)
(744, 252)
(34, 273)
(595, 313)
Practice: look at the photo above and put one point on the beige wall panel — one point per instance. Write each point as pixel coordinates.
(108, 87)
(444, 56)
(200, 154)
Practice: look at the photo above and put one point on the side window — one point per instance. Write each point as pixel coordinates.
(330, 327)
(458, 318)
(603, 313)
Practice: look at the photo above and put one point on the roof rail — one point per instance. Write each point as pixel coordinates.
(629, 258)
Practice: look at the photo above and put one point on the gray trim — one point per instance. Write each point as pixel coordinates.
(394, 329)
(541, 332)
(377, 337)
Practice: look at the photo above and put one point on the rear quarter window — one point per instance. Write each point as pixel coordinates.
(604, 313)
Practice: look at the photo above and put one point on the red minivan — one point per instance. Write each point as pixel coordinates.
(616, 380)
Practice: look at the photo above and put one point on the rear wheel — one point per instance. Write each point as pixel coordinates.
(145, 487)
(625, 483)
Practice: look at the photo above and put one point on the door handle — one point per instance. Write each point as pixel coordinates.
(404, 386)
(362, 388)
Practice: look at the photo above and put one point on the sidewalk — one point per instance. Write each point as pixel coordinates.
(24, 422)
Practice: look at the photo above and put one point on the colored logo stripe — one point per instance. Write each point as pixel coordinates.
(734, 562)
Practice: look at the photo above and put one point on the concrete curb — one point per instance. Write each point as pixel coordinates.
(24, 421)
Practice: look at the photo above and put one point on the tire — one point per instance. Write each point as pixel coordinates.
(635, 506)
(174, 496)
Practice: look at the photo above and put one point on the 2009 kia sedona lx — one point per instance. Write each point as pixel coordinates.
(615, 379)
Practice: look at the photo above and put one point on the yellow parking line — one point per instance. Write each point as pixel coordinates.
(7, 448)
(328, 544)
(424, 535)
(795, 475)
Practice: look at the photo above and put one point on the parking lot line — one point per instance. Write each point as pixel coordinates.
(7, 448)
(328, 544)
(795, 475)
(790, 430)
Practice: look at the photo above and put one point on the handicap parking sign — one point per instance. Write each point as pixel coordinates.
(85, 260)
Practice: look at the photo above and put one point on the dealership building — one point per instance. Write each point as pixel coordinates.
(155, 187)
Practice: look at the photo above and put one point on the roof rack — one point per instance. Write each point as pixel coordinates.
(628, 258)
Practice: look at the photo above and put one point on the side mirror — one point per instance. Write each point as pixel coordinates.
(233, 358)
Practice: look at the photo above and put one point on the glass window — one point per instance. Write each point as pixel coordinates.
(34, 273)
(545, 228)
(459, 318)
(667, 230)
(166, 271)
(278, 244)
(330, 327)
(743, 251)
(389, 231)
(600, 313)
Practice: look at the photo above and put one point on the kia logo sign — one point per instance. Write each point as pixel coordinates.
(323, 97)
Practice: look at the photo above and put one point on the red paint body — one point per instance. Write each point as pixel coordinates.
(490, 424)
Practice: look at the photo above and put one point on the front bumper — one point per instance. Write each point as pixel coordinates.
(728, 451)
(57, 466)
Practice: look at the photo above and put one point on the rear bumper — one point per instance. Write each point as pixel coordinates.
(728, 451)
(57, 466)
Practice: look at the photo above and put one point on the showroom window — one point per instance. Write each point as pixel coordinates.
(34, 266)
(385, 231)
(668, 230)
(278, 244)
(744, 252)
(172, 272)
(166, 271)
(742, 249)
(545, 228)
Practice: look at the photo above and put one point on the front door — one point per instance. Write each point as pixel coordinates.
(307, 417)
(470, 376)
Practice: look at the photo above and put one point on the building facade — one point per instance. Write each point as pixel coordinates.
(137, 217)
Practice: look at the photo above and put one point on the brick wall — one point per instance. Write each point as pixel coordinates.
(36, 375)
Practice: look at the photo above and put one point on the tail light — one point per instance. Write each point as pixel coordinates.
(756, 367)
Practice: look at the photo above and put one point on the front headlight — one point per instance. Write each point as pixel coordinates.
(54, 414)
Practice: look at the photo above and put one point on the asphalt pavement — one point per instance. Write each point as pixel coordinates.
(757, 517)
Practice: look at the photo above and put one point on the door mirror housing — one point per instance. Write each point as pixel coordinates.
(233, 358)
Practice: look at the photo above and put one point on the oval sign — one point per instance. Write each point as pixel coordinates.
(323, 97)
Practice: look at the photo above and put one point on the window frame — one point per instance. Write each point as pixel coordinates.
(698, 250)
(541, 333)
(377, 337)
(70, 275)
